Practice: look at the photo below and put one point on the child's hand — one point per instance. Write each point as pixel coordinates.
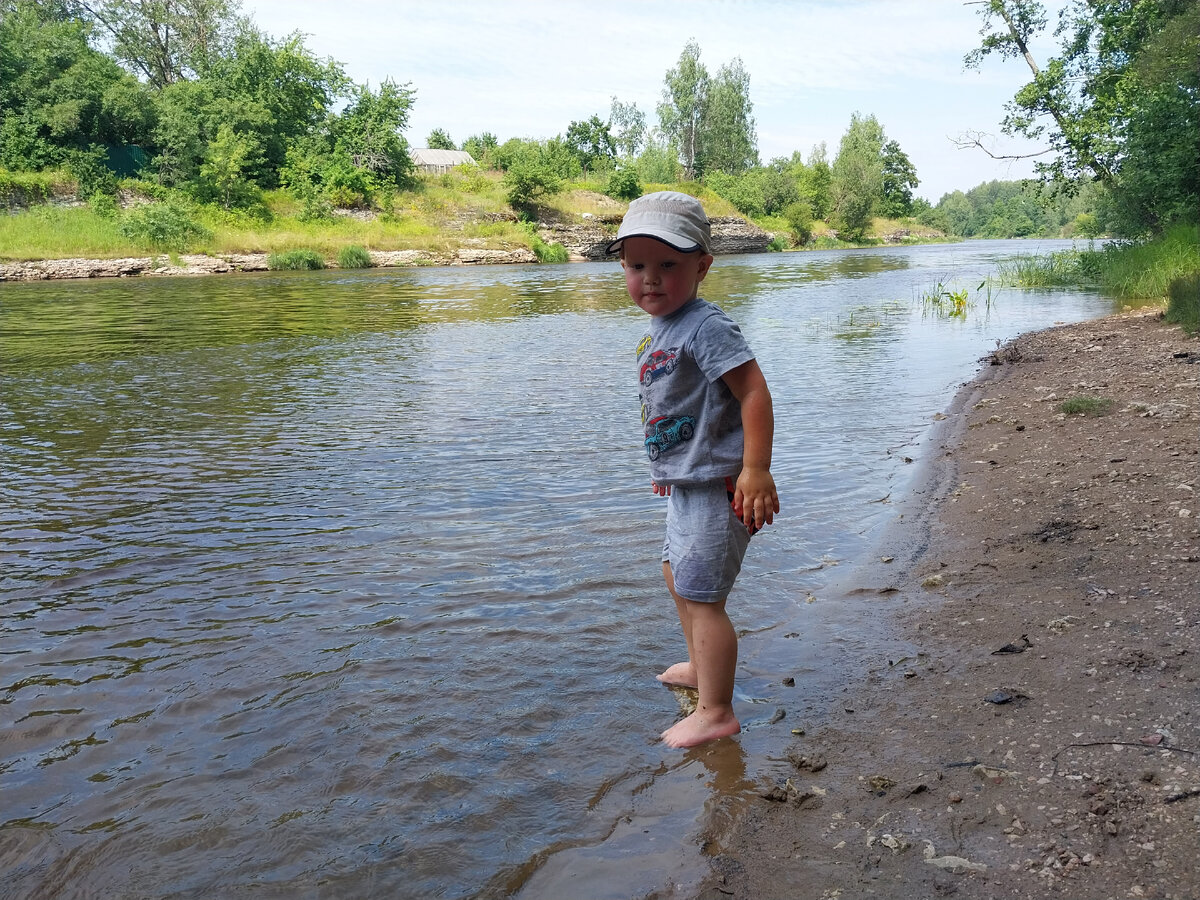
(755, 500)
(661, 489)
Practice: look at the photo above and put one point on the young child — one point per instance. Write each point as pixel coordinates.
(709, 427)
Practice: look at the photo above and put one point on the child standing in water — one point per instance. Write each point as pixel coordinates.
(709, 427)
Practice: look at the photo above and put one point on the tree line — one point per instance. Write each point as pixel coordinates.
(192, 96)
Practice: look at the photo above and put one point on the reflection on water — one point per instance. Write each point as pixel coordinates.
(344, 584)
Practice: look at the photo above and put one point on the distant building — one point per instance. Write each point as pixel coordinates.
(439, 161)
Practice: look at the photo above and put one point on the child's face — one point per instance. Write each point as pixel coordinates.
(659, 278)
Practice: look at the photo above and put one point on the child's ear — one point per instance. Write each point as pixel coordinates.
(705, 261)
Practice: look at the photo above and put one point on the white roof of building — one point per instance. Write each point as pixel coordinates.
(426, 157)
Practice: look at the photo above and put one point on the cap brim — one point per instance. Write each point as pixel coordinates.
(674, 241)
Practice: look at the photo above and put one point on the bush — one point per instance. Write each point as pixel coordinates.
(1183, 302)
(778, 243)
(623, 184)
(164, 226)
(545, 253)
(353, 256)
(295, 259)
(800, 219)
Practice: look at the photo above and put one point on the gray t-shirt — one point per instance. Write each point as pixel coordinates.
(693, 423)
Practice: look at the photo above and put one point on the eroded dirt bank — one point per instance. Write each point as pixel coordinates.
(1045, 740)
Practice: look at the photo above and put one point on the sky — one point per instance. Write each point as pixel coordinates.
(528, 68)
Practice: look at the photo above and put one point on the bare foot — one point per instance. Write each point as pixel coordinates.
(700, 727)
(682, 674)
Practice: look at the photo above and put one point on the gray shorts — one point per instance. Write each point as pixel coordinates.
(705, 541)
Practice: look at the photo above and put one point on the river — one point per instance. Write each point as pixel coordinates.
(346, 584)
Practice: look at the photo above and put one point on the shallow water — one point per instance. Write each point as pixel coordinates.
(346, 583)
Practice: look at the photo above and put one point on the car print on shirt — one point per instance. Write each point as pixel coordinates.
(665, 432)
(661, 362)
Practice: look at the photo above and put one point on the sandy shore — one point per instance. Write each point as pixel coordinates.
(1044, 741)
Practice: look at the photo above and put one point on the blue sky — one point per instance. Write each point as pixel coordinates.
(524, 68)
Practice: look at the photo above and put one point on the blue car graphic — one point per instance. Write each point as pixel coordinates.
(665, 432)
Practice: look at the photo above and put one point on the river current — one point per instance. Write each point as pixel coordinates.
(346, 584)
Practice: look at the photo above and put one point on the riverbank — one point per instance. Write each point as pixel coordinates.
(1042, 741)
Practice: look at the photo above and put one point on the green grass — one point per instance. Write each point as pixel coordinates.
(1130, 270)
(295, 259)
(352, 256)
(1085, 405)
(1183, 302)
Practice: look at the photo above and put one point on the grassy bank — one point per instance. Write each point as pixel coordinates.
(438, 216)
(1165, 270)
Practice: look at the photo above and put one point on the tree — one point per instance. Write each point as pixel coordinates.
(681, 112)
(728, 142)
(165, 41)
(857, 177)
(592, 144)
(1118, 104)
(58, 96)
(816, 182)
(369, 131)
(227, 157)
(439, 140)
(627, 124)
(481, 146)
(899, 180)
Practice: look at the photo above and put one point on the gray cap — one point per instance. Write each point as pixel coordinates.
(677, 220)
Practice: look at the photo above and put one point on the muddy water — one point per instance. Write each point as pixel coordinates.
(346, 584)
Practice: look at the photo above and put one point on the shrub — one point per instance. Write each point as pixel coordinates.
(800, 218)
(353, 256)
(164, 226)
(1183, 302)
(545, 253)
(295, 259)
(778, 243)
(623, 184)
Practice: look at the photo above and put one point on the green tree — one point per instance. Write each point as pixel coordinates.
(369, 131)
(481, 147)
(1119, 103)
(165, 41)
(728, 142)
(857, 177)
(682, 110)
(627, 124)
(58, 96)
(592, 144)
(816, 182)
(439, 140)
(899, 180)
(227, 157)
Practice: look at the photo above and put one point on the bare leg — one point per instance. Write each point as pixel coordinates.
(684, 673)
(712, 642)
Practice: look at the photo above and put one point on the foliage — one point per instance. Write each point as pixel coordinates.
(480, 146)
(899, 181)
(627, 124)
(1183, 302)
(730, 142)
(368, 132)
(166, 42)
(440, 140)
(658, 163)
(222, 172)
(800, 219)
(1119, 103)
(1145, 269)
(623, 184)
(1086, 405)
(352, 256)
(545, 253)
(163, 226)
(708, 121)
(592, 144)
(295, 259)
(529, 177)
(857, 177)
